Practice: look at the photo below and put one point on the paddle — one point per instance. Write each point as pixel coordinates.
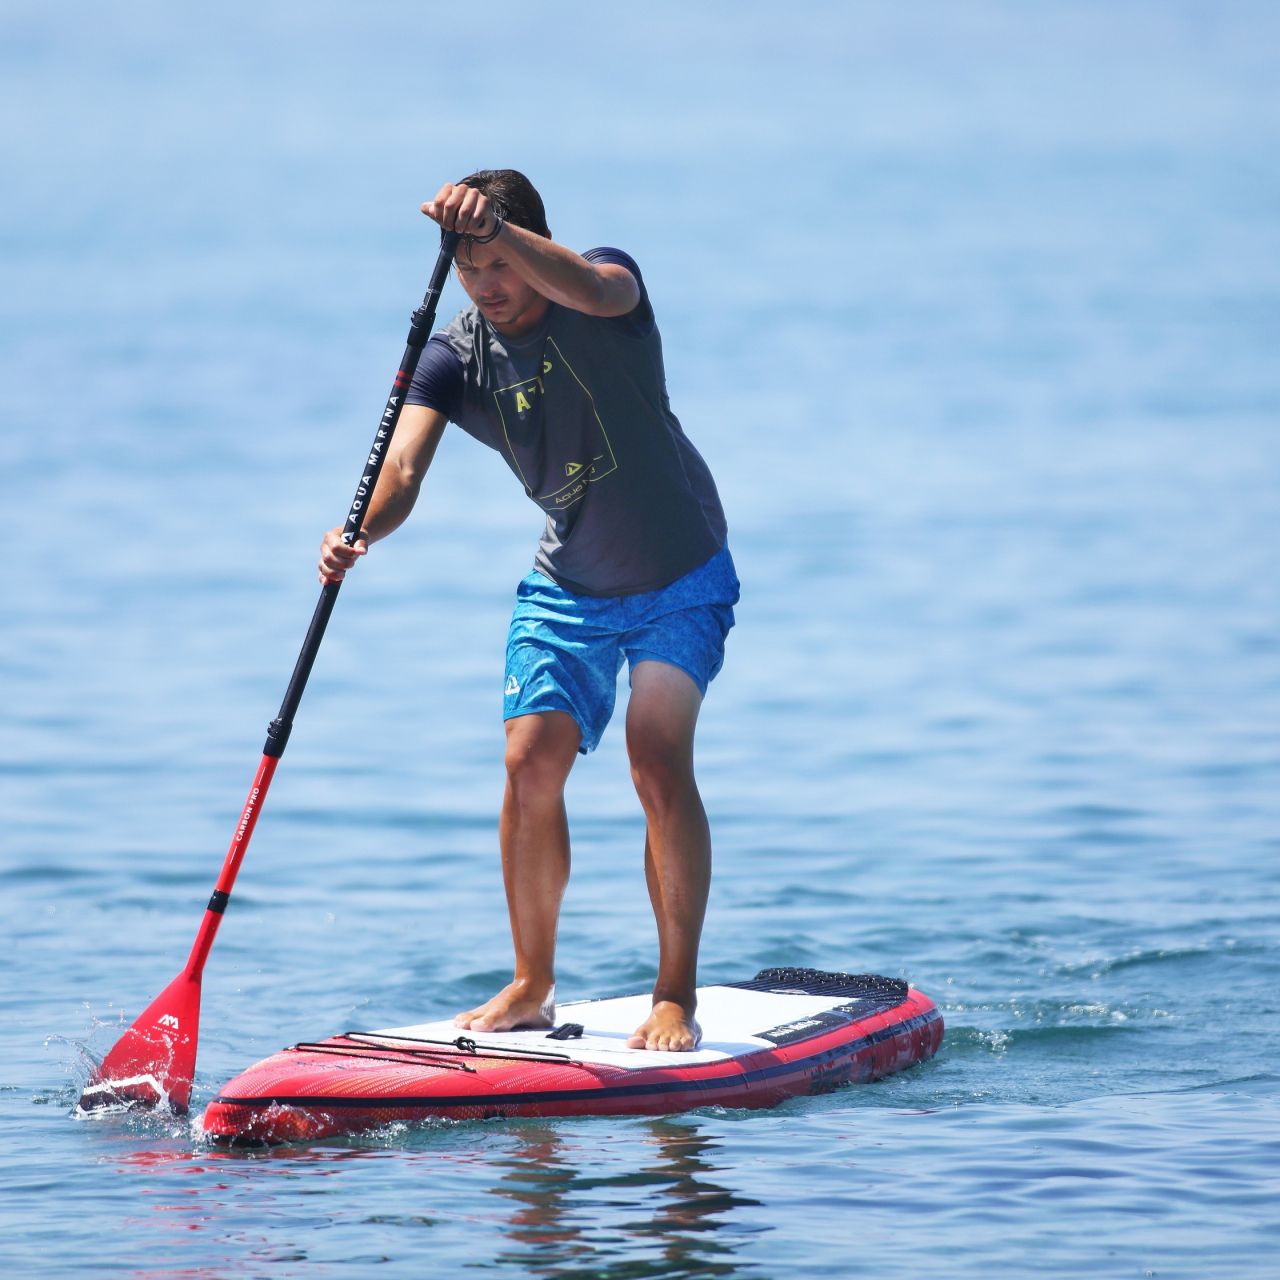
(154, 1061)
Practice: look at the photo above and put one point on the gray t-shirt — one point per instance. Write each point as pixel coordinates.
(578, 407)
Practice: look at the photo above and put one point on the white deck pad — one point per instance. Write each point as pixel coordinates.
(734, 1022)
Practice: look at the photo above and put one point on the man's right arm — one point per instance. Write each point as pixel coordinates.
(412, 447)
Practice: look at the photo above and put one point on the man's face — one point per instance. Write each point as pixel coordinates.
(508, 304)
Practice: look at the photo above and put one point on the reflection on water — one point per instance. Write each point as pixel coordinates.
(573, 1218)
(648, 1197)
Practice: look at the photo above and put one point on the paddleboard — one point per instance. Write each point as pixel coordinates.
(783, 1033)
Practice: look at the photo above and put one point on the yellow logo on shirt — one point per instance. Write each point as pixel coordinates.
(526, 394)
(521, 407)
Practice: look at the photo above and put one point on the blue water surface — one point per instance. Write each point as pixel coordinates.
(973, 310)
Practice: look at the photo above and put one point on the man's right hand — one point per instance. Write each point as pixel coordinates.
(336, 557)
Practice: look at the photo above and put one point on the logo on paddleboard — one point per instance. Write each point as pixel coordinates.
(169, 1020)
(513, 686)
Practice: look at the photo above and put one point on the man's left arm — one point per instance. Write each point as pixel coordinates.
(567, 278)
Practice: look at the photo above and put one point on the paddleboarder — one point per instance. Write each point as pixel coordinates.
(557, 364)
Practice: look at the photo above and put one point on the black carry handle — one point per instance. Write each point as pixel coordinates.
(419, 331)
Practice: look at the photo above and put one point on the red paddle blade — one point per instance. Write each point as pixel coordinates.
(154, 1063)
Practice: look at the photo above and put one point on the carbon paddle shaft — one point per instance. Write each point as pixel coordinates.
(280, 728)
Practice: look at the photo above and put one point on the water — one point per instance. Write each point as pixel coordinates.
(973, 311)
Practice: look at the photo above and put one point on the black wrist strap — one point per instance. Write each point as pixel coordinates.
(499, 223)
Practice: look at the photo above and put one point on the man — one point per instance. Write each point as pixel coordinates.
(557, 364)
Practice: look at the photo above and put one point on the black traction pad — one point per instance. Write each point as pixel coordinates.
(820, 982)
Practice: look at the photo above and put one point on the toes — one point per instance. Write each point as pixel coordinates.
(661, 1041)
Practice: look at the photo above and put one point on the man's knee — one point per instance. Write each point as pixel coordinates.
(661, 718)
(541, 750)
(661, 768)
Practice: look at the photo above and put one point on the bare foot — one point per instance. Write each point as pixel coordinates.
(668, 1028)
(513, 1008)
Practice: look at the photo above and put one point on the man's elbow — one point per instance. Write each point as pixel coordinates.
(616, 294)
(409, 476)
(403, 474)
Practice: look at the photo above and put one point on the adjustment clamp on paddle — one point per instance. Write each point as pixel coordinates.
(425, 316)
(278, 732)
(420, 327)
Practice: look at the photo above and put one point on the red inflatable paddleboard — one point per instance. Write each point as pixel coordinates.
(785, 1032)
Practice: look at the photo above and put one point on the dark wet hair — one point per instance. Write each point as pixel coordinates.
(513, 197)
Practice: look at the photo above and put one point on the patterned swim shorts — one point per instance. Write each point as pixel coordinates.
(564, 651)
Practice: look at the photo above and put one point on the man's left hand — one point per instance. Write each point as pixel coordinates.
(462, 209)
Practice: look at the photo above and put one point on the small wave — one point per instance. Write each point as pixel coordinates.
(1002, 1041)
(1097, 968)
(1096, 813)
(48, 873)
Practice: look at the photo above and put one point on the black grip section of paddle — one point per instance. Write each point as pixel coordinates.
(419, 331)
(218, 902)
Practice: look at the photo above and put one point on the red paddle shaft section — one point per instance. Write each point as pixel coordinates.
(154, 1062)
(231, 865)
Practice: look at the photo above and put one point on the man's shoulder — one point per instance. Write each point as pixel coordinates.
(464, 325)
(639, 321)
(607, 253)
(461, 335)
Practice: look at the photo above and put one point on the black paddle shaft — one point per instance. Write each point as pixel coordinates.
(419, 331)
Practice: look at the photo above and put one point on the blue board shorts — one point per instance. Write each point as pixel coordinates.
(564, 651)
